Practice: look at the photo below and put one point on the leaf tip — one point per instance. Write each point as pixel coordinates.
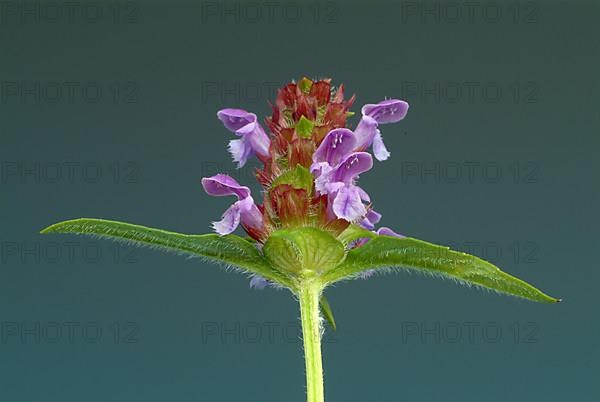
(551, 300)
(48, 229)
(64, 226)
(327, 312)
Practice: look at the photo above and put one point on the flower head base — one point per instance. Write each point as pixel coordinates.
(311, 161)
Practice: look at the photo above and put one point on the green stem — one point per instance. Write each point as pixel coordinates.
(309, 295)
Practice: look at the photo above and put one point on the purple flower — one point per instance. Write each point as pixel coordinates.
(242, 211)
(370, 220)
(386, 111)
(336, 169)
(258, 282)
(384, 231)
(367, 132)
(335, 147)
(253, 139)
(346, 198)
(347, 202)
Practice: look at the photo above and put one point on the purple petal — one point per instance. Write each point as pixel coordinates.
(348, 205)
(363, 195)
(384, 231)
(333, 187)
(244, 211)
(230, 220)
(366, 224)
(222, 185)
(240, 151)
(379, 150)
(256, 137)
(258, 282)
(322, 172)
(335, 147)
(373, 216)
(318, 168)
(387, 111)
(352, 166)
(250, 214)
(370, 220)
(331, 180)
(234, 119)
(364, 133)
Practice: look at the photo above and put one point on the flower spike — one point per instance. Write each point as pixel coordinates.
(314, 226)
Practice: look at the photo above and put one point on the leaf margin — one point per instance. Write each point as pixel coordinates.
(474, 267)
(178, 242)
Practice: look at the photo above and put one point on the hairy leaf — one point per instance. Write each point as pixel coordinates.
(230, 249)
(388, 252)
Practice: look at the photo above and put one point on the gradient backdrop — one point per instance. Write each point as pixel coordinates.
(108, 110)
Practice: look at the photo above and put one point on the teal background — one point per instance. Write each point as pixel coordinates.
(171, 138)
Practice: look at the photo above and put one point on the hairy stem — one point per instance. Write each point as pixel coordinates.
(309, 295)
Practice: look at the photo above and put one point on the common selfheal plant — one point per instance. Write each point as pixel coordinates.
(315, 225)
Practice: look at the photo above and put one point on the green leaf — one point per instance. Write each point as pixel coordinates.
(304, 252)
(299, 177)
(304, 127)
(386, 252)
(230, 249)
(327, 312)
